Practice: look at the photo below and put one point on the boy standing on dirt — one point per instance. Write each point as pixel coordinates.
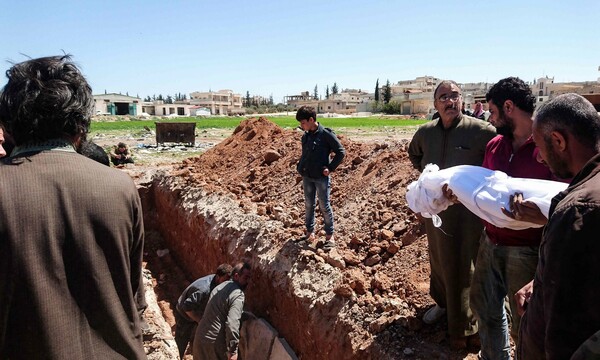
(315, 166)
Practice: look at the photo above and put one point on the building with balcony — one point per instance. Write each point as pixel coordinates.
(222, 102)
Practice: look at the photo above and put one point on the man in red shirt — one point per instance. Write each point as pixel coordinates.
(507, 258)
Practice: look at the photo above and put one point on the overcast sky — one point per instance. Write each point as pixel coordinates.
(284, 47)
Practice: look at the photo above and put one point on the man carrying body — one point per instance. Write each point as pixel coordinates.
(314, 166)
(191, 305)
(562, 311)
(507, 258)
(68, 268)
(218, 332)
(453, 139)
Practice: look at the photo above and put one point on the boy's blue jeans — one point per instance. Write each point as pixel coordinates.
(320, 187)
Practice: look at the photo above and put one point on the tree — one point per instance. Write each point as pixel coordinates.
(327, 92)
(169, 99)
(387, 92)
(377, 90)
(271, 99)
(316, 93)
(160, 97)
(334, 89)
(247, 98)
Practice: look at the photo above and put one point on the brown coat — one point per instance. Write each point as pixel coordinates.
(71, 243)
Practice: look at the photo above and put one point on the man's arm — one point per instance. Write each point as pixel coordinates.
(570, 279)
(415, 151)
(337, 148)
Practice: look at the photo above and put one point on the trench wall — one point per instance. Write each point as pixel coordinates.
(204, 229)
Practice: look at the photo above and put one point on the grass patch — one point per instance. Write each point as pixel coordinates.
(232, 122)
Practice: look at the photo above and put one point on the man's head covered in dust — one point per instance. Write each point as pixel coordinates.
(46, 98)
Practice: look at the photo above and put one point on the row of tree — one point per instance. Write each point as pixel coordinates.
(168, 100)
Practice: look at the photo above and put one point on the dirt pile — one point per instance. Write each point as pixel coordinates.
(362, 300)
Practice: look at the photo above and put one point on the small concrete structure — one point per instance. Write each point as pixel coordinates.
(260, 341)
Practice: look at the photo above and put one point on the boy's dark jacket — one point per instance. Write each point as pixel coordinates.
(316, 147)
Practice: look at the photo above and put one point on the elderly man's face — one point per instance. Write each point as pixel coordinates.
(549, 156)
(2, 151)
(448, 101)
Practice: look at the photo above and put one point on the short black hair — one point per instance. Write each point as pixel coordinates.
(239, 267)
(224, 269)
(94, 151)
(513, 89)
(306, 112)
(570, 113)
(46, 98)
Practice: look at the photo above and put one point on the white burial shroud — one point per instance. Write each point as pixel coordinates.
(480, 190)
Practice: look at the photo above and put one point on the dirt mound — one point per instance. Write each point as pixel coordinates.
(382, 291)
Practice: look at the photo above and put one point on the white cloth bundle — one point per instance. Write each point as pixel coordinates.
(480, 190)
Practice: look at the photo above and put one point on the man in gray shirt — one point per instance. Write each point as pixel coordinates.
(192, 302)
(218, 333)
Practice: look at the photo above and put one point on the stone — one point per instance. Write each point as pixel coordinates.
(281, 350)
(372, 260)
(271, 156)
(387, 234)
(258, 338)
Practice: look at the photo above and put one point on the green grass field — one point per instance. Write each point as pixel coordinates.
(231, 122)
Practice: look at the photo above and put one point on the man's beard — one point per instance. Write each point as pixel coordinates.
(557, 165)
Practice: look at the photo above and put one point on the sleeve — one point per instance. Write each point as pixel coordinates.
(415, 150)
(232, 326)
(193, 301)
(571, 281)
(137, 249)
(337, 148)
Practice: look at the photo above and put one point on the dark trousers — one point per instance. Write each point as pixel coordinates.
(184, 332)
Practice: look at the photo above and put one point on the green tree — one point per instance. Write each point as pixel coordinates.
(334, 89)
(377, 90)
(169, 99)
(316, 93)
(327, 92)
(247, 98)
(387, 92)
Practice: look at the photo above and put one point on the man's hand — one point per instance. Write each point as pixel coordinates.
(526, 211)
(522, 297)
(325, 171)
(232, 356)
(448, 194)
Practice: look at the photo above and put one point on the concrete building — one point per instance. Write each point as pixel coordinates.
(304, 99)
(117, 104)
(222, 102)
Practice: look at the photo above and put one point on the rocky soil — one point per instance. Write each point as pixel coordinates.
(373, 288)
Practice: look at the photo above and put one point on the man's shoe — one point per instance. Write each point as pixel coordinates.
(434, 314)
(329, 243)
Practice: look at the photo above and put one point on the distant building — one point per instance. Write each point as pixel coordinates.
(222, 102)
(117, 104)
(304, 99)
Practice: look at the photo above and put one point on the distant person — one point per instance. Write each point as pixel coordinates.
(479, 113)
(218, 333)
(465, 110)
(94, 151)
(120, 155)
(315, 166)
(562, 315)
(191, 305)
(453, 139)
(69, 268)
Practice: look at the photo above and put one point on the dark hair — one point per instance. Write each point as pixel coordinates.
(570, 113)
(306, 112)
(94, 151)
(444, 82)
(239, 267)
(121, 145)
(224, 269)
(513, 89)
(46, 98)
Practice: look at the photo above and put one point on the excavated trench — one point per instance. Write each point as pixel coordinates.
(242, 200)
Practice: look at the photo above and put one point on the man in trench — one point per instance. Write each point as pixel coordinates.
(218, 333)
